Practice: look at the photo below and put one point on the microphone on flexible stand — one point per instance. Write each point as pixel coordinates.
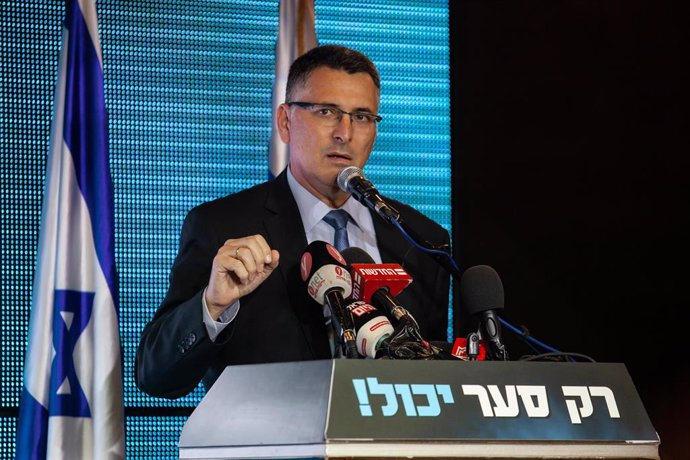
(351, 180)
(481, 294)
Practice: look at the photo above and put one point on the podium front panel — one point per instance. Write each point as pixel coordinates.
(433, 400)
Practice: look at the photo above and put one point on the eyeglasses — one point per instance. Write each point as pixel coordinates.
(331, 115)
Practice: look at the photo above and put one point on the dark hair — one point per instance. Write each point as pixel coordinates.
(334, 57)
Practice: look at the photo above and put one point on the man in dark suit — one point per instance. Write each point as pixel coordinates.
(225, 305)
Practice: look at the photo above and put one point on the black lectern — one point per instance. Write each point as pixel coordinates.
(421, 409)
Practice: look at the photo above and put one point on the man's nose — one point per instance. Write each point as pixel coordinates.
(342, 132)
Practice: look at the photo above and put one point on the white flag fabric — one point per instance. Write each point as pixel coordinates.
(296, 36)
(71, 404)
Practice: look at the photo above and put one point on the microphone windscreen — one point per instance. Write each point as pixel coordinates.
(368, 277)
(323, 268)
(481, 289)
(345, 175)
(355, 255)
(371, 326)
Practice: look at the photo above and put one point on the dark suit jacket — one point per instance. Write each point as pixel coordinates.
(277, 322)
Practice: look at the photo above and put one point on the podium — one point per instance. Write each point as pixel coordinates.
(420, 409)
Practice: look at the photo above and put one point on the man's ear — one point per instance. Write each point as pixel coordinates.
(283, 122)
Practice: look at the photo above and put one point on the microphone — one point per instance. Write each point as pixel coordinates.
(465, 349)
(378, 284)
(481, 293)
(328, 282)
(351, 180)
(371, 326)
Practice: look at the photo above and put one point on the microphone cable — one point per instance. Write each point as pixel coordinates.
(438, 252)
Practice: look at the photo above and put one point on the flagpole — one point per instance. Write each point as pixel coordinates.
(296, 36)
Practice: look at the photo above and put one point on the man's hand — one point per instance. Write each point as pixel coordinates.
(239, 267)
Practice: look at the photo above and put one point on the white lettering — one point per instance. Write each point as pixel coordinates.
(533, 398)
(586, 408)
(379, 271)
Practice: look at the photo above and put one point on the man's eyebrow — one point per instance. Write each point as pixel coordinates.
(327, 104)
(358, 109)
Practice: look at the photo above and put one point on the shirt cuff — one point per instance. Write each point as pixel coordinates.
(214, 328)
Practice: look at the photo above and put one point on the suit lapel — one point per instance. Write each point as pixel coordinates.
(285, 233)
(284, 225)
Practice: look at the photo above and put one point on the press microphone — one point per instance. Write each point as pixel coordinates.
(378, 284)
(322, 267)
(371, 326)
(351, 180)
(465, 349)
(481, 293)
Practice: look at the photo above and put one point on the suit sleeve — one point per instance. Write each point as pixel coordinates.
(175, 351)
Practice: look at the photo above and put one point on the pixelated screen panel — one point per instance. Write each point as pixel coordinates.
(188, 89)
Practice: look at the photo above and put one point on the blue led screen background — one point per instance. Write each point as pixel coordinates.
(188, 90)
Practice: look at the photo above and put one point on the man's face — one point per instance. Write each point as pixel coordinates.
(318, 150)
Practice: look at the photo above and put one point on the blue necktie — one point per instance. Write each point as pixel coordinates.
(338, 220)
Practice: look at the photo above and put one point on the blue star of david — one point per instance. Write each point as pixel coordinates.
(71, 313)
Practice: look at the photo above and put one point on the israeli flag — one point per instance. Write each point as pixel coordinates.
(296, 36)
(71, 402)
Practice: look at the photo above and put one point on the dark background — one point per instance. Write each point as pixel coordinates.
(570, 164)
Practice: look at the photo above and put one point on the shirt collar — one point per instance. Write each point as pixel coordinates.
(312, 209)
